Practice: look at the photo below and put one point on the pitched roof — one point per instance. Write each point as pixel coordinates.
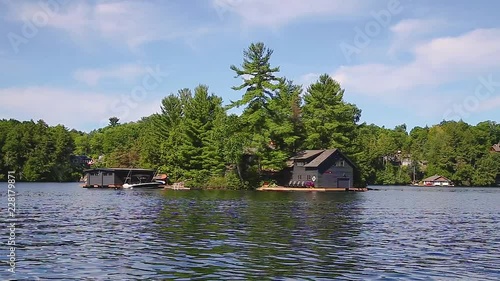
(322, 157)
(306, 154)
(496, 147)
(436, 178)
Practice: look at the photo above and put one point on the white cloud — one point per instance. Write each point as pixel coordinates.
(275, 13)
(132, 23)
(307, 79)
(435, 63)
(412, 27)
(409, 32)
(489, 104)
(74, 109)
(126, 72)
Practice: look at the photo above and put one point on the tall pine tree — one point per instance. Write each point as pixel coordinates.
(329, 121)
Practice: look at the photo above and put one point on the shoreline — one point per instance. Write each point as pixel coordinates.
(313, 189)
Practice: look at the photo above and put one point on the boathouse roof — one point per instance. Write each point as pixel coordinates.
(436, 178)
(320, 156)
(306, 154)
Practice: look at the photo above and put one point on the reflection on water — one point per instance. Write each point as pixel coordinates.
(69, 233)
(253, 235)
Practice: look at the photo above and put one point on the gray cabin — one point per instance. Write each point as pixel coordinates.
(322, 168)
(116, 177)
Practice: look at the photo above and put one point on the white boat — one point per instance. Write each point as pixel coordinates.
(142, 181)
(143, 185)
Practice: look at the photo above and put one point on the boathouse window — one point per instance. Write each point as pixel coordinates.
(299, 177)
(308, 177)
(300, 164)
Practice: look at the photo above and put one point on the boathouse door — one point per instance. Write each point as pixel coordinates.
(343, 183)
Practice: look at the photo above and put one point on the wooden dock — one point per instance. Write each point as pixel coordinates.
(312, 189)
(96, 186)
(176, 186)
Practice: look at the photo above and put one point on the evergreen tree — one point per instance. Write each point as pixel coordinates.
(260, 84)
(170, 126)
(114, 121)
(329, 121)
(284, 123)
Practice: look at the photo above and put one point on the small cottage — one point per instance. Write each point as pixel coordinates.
(437, 180)
(495, 147)
(322, 168)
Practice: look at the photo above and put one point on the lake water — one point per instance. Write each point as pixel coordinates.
(64, 232)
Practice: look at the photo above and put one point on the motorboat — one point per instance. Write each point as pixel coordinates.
(142, 181)
(143, 185)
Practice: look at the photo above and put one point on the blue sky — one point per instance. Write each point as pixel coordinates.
(416, 62)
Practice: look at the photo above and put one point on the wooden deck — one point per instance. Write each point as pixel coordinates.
(101, 186)
(176, 186)
(311, 189)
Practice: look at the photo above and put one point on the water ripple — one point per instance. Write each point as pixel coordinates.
(68, 233)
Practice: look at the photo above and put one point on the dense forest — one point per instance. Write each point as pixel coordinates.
(194, 139)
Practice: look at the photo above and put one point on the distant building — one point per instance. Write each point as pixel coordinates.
(407, 161)
(495, 147)
(81, 160)
(322, 168)
(437, 180)
(398, 159)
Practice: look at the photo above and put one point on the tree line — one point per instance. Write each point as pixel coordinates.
(193, 137)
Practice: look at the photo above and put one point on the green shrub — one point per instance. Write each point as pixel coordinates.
(216, 182)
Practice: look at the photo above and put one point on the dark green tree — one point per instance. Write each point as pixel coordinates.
(259, 84)
(114, 121)
(285, 127)
(329, 121)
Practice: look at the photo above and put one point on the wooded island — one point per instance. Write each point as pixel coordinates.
(194, 139)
